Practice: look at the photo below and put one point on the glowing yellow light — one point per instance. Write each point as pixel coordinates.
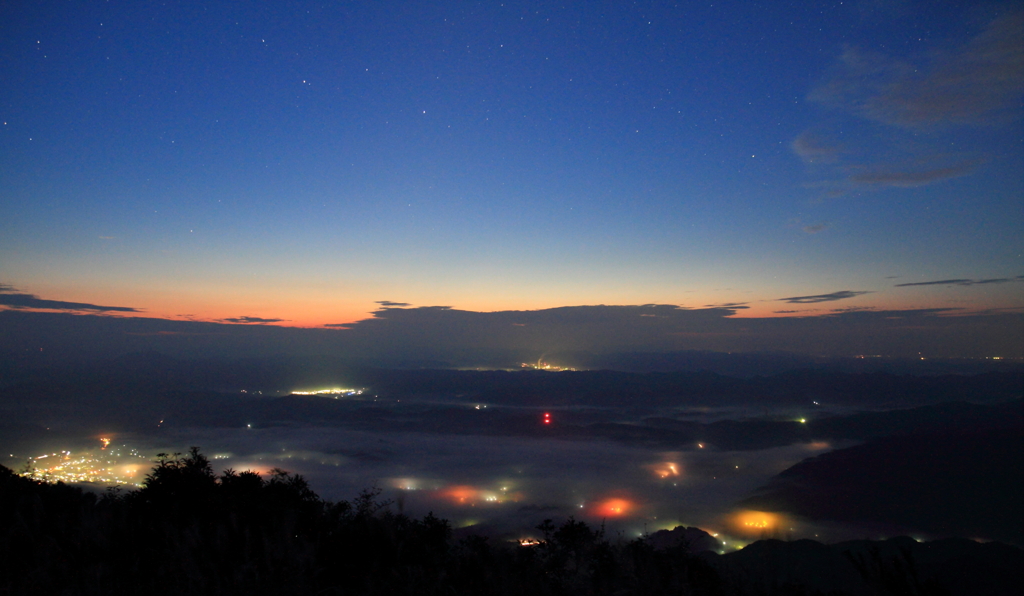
(664, 470)
(105, 442)
(405, 483)
(331, 391)
(749, 522)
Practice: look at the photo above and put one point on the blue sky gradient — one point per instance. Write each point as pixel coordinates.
(301, 161)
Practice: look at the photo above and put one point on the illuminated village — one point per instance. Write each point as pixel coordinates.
(541, 365)
(119, 465)
(334, 392)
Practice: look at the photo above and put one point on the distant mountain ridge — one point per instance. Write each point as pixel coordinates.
(154, 370)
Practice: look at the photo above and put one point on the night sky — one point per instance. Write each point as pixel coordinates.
(300, 162)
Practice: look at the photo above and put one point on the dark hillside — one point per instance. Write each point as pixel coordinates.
(955, 483)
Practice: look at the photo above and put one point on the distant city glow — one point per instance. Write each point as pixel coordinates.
(336, 392)
(614, 507)
(116, 466)
(665, 470)
(541, 365)
(405, 483)
(463, 494)
(756, 522)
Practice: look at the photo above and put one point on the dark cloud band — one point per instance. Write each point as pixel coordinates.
(251, 320)
(963, 282)
(11, 298)
(841, 295)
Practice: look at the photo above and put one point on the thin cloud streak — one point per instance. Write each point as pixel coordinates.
(911, 179)
(963, 282)
(251, 320)
(814, 229)
(841, 295)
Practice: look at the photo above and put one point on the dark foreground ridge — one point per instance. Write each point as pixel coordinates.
(190, 531)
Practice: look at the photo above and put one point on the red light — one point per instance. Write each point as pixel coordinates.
(547, 418)
(614, 508)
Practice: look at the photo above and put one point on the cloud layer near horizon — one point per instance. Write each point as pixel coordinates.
(443, 336)
(12, 298)
(964, 282)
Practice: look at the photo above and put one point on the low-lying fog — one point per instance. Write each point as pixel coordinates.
(507, 485)
(636, 464)
(510, 484)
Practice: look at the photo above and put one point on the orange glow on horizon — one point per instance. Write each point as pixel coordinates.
(303, 300)
(318, 308)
